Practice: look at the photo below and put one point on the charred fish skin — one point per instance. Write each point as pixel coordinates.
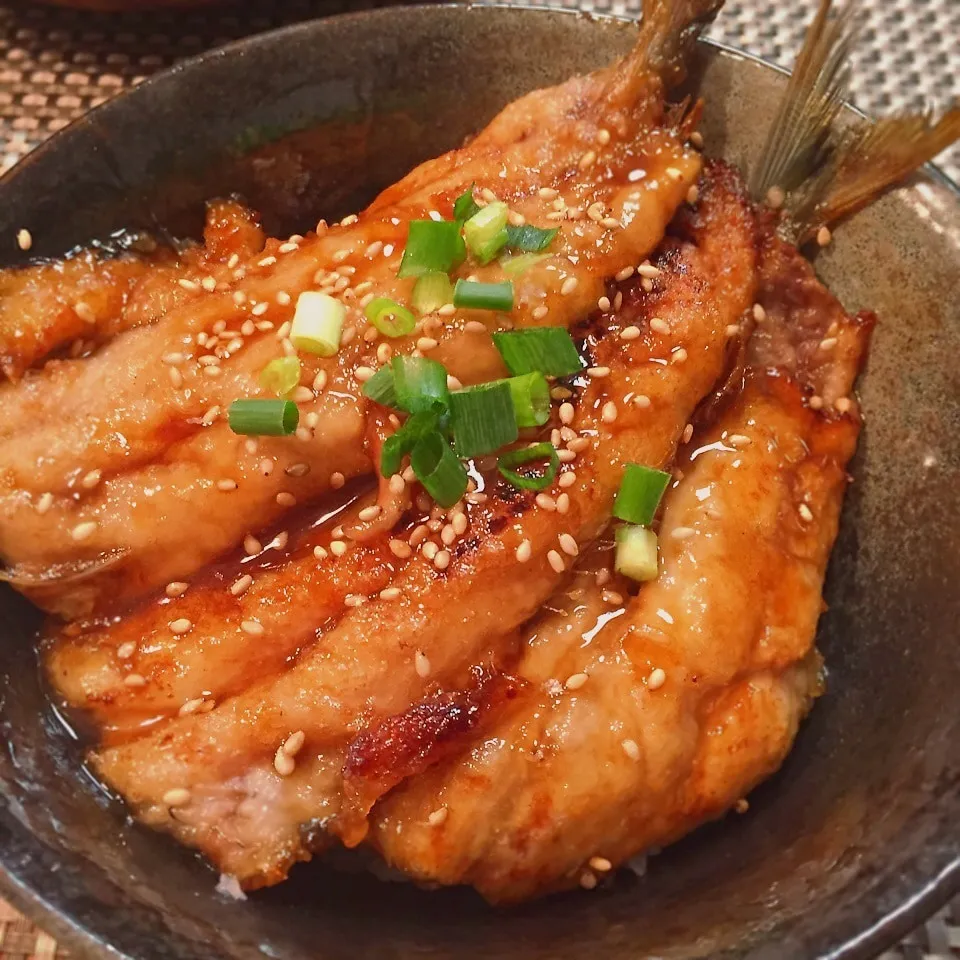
(695, 693)
(175, 444)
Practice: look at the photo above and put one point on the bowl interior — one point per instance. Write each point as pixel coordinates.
(856, 837)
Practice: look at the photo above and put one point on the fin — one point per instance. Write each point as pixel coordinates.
(819, 170)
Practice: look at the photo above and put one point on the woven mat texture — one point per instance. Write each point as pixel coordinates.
(55, 64)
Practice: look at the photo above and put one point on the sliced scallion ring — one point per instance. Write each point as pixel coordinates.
(486, 231)
(389, 317)
(431, 292)
(317, 323)
(515, 266)
(263, 418)
(280, 376)
(531, 399)
(379, 388)
(547, 350)
(636, 555)
(530, 238)
(433, 246)
(483, 296)
(465, 206)
(420, 384)
(482, 418)
(400, 443)
(525, 455)
(641, 490)
(439, 470)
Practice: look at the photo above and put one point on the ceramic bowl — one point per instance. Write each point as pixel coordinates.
(853, 843)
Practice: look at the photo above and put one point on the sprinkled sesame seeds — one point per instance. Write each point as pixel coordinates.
(226, 485)
(178, 797)
(279, 542)
(567, 413)
(363, 374)
(588, 159)
(265, 466)
(563, 503)
(267, 261)
(598, 371)
(556, 561)
(45, 502)
(319, 552)
(283, 764)
(843, 405)
(568, 545)
(568, 286)
(338, 547)
(815, 402)
(566, 480)
(687, 433)
(180, 626)
(601, 864)
(658, 325)
(252, 627)
(679, 355)
(824, 236)
(828, 343)
(657, 678)
(609, 412)
(24, 239)
(587, 880)
(696, 138)
(603, 304)
(648, 270)
(134, 681)
(739, 440)
(625, 274)
(421, 664)
(806, 514)
(524, 551)
(294, 743)
(389, 593)
(426, 343)
(733, 329)
(538, 313)
(578, 445)
(441, 559)
(437, 817)
(83, 531)
(576, 681)
(190, 285)
(285, 499)
(176, 588)
(693, 195)
(251, 545)
(354, 600)
(240, 586)
(631, 749)
(630, 333)
(545, 502)
(612, 597)
(775, 198)
(371, 512)
(642, 401)
(84, 311)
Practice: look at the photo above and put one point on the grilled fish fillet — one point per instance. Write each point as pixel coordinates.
(213, 780)
(629, 737)
(600, 157)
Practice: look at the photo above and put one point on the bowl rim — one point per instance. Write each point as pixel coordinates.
(889, 925)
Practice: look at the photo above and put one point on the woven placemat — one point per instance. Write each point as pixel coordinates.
(55, 64)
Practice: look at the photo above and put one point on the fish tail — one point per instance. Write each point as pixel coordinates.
(822, 171)
(669, 29)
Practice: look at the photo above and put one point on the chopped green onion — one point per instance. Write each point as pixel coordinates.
(281, 375)
(548, 350)
(641, 490)
(431, 292)
(317, 323)
(443, 476)
(379, 388)
(514, 266)
(401, 442)
(532, 239)
(636, 555)
(420, 384)
(465, 206)
(483, 296)
(263, 418)
(433, 246)
(531, 399)
(482, 418)
(389, 317)
(524, 455)
(486, 231)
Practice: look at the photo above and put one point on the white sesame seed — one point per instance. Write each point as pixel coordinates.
(240, 586)
(563, 503)
(843, 404)
(642, 401)
(24, 239)
(775, 198)
(603, 304)
(609, 412)
(85, 312)
(83, 531)
(601, 864)
(693, 195)
(568, 545)
(44, 503)
(828, 343)
(176, 588)
(294, 743)
(190, 285)
(824, 236)
(630, 333)
(612, 597)
(805, 512)
(687, 433)
(524, 551)
(659, 326)
(338, 548)
(421, 664)
(631, 749)
(576, 681)
(226, 485)
(371, 512)
(625, 274)
(538, 313)
(618, 300)
(567, 413)
(739, 440)
(566, 480)
(733, 329)
(447, 310)
(279, 542)
(678, 356)
(545, 502)
(283, 764)
(696, 138)
(190, 707)
(442, 559)
(253, 627)
(437, 817)
(598, 371)
(587, 880)
(611, 223)
(180, 626)
(568, 286)
(134, 681)
(556, 561)
(178, 797)
(588, 159)
(657, 678)
(648, 270)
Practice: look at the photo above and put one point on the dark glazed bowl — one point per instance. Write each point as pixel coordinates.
(853, 843)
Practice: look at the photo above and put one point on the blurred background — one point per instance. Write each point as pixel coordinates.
(60, 59)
